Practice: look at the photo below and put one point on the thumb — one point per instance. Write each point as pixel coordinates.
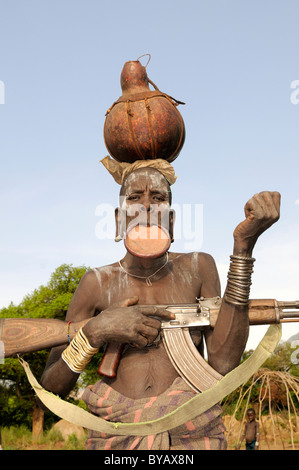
(129, 301)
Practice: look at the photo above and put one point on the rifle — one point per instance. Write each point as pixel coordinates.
(23, 335)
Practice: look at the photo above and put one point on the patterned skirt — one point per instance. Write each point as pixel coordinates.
(205, 432)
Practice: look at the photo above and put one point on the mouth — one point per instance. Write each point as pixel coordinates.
(147, 240)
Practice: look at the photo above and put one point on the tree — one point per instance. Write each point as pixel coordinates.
(17, 400)
(283, 359)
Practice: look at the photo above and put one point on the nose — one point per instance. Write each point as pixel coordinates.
(146, 206)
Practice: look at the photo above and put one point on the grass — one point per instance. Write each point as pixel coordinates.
(20, 438)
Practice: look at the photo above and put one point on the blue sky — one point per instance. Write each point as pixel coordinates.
(232, 63)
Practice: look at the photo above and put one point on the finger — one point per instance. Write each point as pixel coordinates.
(276, 196)
(254, 206)
(260, 206)
(152, 322)
(272, 200)
(160, 312)
(140, 342)
(128, 302)
(269, 205)
(265, 202)
(149, 333)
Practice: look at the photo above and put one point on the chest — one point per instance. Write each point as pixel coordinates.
(173, 288)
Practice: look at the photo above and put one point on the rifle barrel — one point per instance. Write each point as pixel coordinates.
(288, 304)
(291, 314)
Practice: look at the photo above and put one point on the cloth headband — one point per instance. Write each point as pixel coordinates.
(120, 170)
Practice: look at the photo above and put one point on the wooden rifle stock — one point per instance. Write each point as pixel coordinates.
(23, 335)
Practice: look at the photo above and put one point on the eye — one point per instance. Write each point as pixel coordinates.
(133, 197)
(159, 198)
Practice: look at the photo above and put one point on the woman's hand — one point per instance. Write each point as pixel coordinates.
(126, 322)
(261, 211)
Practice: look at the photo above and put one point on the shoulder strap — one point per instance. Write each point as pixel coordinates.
(192, 408)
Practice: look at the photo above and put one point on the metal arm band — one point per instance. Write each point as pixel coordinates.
(79, 353)
(239, 280)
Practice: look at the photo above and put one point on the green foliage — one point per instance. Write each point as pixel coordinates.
(20, 438)
(12, 311)
(16, 395)
(51, 301)
(282, 359)
(14, 438)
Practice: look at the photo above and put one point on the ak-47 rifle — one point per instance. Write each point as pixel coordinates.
(23, 335)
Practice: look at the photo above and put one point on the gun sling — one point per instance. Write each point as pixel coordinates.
(194, 407)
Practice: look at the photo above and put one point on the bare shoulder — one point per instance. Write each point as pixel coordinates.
(94, 276)
(203, 270)
(86, 301)
(196, 260)
(104, 274)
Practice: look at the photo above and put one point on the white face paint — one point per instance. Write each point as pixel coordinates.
(146, 197)
(146, 202)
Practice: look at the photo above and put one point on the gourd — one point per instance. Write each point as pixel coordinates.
(143, 123)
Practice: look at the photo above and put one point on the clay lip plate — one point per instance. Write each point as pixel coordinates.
(147, 241)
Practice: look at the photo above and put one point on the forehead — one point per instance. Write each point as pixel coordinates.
(146, 178)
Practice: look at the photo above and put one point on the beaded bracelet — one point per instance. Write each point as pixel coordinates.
(239, 280)
(68, 331)
(79, 353)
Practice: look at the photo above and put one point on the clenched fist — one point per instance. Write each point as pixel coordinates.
(261, 211)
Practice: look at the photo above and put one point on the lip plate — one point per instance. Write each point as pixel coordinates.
(157, 251)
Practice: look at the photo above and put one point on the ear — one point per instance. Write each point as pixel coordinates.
(171, 224)
(119, 224)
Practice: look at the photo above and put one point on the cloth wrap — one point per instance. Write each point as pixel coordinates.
(205, 432)
(120, 170)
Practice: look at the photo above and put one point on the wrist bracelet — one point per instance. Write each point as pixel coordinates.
(79, 353)
(68, 330)
(239, 280)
